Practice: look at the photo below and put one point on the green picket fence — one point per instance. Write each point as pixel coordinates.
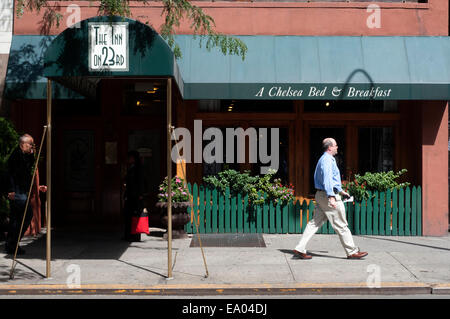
(395, 213)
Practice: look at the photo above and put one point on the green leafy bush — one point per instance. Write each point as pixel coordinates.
(253, 186)
(8, 141)
(363, 186)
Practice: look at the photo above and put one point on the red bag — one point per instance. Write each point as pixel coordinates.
(139, 224)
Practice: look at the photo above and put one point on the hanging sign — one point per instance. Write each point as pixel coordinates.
(108, 46)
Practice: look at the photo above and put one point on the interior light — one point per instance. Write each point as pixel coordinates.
(327, 104)
(151, 92)
(138, 103)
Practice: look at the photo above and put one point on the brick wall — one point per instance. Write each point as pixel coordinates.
(6, 24)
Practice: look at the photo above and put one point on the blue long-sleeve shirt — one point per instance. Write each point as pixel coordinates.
(327, 175)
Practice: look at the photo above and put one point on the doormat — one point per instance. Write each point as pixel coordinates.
(228, 240)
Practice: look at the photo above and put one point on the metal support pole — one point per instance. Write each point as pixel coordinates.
(49, 173)
(169, 177)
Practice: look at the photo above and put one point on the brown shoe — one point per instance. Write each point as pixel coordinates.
(301, 255)
(358, 255)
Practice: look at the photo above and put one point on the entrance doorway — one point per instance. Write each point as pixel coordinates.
(148, 144)
(91, 151)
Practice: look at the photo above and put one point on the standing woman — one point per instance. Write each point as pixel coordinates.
(134, 193)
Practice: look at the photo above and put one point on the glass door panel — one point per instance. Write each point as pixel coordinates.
(147, 143)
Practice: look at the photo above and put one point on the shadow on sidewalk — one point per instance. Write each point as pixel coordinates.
(19, 274)
(75, 244)
(314, 254)
(405, 242)
(72, 244)
(142, 268)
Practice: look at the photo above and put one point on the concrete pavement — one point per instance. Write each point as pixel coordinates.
(100, 263)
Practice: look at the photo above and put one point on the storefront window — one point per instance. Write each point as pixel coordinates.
(283, 159)
(246, 106)
(376, 149)
(255, 168)
(344, 106)
(216, 167)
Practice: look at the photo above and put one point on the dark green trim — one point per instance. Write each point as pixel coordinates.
(315, 91)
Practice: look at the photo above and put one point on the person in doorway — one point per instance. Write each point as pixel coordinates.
(134, 193)
(20, 174)
(327, 181)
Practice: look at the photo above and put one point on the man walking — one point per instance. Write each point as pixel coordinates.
(327, 181)
(20, 171)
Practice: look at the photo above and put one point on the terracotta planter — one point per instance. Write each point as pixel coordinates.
(180, 217)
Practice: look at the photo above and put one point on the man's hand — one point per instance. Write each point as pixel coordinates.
(332, 201)
(345, 194)
(11, 195)
(43, 188)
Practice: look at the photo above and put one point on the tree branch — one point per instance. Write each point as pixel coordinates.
(174, 11)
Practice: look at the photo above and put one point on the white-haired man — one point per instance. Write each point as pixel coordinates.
(20, 171)
(329, 205)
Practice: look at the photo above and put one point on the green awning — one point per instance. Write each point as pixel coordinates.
(276, 67)
(320, 67)
(65, 59)
(24, 77)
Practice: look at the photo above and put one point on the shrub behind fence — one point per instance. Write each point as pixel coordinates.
(396, 212)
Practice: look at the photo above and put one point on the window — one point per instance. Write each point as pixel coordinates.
(283, 155)
(376, 149)
(270, 158)
(221, 164)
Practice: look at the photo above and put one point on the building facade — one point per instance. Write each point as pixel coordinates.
(6, 24)
(373, 75)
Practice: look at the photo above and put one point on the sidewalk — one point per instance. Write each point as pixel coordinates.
(405, 265)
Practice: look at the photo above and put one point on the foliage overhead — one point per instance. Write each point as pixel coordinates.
(174, 11)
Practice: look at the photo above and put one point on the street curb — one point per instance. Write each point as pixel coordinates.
(217, 290)
(441, 289)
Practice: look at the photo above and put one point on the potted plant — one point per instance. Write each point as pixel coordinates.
(180, 204)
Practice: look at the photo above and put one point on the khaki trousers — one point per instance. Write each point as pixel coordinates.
(337, 219)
